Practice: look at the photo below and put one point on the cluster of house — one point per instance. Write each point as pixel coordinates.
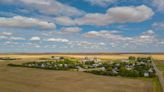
(97, 65)
(91, 59)
(94, 64)
(54, 65)
(50, 65)
(115, 69)
(133, 64)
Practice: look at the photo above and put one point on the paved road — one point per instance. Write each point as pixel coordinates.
(160, 75)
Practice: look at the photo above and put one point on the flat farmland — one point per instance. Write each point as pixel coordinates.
(16, 79)
(102, 56)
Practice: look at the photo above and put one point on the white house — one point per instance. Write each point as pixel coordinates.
(102, 68)
(146, 74)
(42, 65)
(114, 71)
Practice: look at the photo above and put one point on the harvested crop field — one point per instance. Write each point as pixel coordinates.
(102, 56)
(16, 79)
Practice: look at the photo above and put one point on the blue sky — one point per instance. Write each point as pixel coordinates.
(81, 26)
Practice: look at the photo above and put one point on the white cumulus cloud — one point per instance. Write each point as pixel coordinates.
(57, 40)
(64, 20)
(101, 2)
(71, 30)
(25, 22)
(118, 15)
(35, 38)
(5, 33)
(144, 39)
(123, 14)
(158, 25)
(159, 4)
(47, 7)
(16, 38)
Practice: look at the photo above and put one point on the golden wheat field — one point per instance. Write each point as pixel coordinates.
(102, 56)
(14, 79)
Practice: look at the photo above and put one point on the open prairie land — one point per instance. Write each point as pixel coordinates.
(102, 56)
(16, 79)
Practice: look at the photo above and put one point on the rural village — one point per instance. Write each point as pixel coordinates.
(132, 67)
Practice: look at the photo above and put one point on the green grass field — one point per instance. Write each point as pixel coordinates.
(156, 84)
(160, 64)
